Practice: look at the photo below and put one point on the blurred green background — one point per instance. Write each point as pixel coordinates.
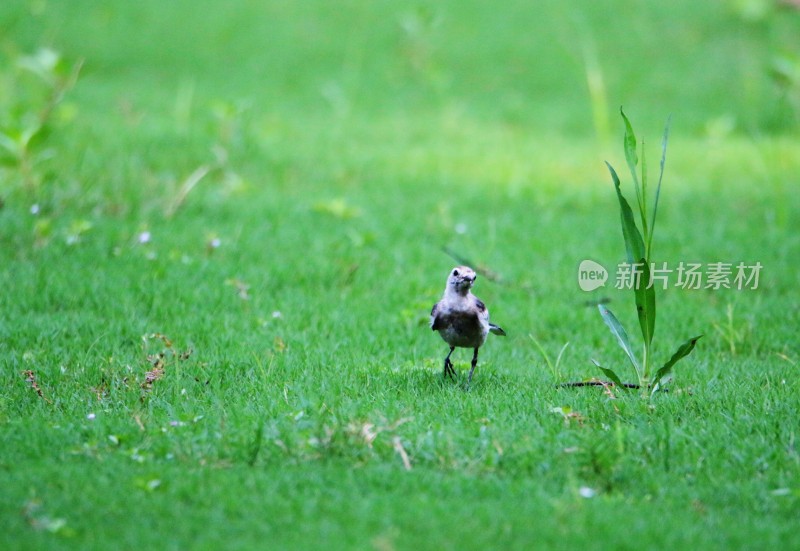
(544, 67)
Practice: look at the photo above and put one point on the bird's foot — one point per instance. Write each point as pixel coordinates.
(448, 369)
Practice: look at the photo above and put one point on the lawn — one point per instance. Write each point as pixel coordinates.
(219, 261)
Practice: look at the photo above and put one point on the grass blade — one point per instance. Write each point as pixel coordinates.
(622, 336)
(553, 369)
(658, 186)
(634, 244)
(561, 353)
(186, 188)
(684, 350)
(644, 194)
(610, 374)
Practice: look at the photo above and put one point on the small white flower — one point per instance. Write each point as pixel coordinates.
(215, 243)
(91, 416)
(277, 314)
(461, 228)
(587, 492)
(144, 237)
(35, 209)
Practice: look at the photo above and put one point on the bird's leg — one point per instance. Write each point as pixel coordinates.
(448, 365)
(474, 364)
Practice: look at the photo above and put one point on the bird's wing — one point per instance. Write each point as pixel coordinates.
(483, 313)
(436, 322)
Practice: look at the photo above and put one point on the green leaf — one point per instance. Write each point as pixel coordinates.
(634, 244)
(622, 336)
(629, 143)
(645, 297)
(610, 374)
(684, 350)
(36, 136)
(10, 146)
(44, 63)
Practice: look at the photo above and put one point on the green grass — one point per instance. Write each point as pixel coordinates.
(359, 139)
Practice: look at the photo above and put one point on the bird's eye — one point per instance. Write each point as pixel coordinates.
(455, 272)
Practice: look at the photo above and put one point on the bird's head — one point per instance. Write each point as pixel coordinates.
(461, 279)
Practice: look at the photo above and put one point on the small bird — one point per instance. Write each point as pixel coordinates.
(461, 318)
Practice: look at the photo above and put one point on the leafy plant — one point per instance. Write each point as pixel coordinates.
(638, 246)
(26, 120)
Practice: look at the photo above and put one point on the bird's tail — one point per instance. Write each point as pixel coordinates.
(497, 330)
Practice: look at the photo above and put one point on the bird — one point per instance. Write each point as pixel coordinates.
(461, 318)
